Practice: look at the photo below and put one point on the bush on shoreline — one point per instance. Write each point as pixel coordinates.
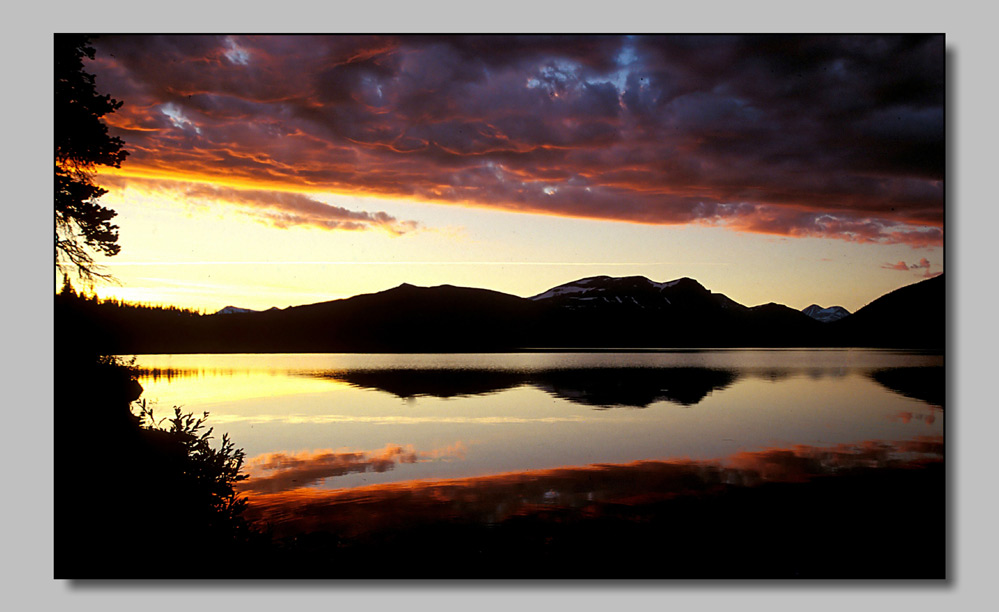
(133, 499)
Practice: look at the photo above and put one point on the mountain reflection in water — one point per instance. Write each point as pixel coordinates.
(636, 387)
(622, 386)
(923, 383)
(604, 387)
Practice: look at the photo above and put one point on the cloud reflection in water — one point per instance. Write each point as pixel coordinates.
(276, 472)
(584, 491)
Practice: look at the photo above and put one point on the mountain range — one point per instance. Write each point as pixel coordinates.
(599, 312)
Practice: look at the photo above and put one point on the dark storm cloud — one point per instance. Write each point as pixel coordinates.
(792, 135)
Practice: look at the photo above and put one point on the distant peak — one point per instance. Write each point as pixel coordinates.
(828, 314)
(683, 280)
(588, 280)
(234, 310)
(586, 288)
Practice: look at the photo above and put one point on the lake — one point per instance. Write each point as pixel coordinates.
(481, 438)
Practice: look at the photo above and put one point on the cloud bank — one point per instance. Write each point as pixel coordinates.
(824, 136)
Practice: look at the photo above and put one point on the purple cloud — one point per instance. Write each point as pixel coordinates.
(829, 136)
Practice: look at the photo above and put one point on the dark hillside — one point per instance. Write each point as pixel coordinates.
(407, 318)
(910, 317)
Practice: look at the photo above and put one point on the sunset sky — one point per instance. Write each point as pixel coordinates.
(282, 170)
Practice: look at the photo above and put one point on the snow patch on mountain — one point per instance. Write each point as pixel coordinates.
(234, 310)
(560, 291)
(826, 315)
(584, 285)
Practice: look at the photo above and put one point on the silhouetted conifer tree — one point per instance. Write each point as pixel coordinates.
(82, 144)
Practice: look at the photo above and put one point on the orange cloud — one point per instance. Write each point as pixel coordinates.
(636, 129)
(923, 264)
(279, 208)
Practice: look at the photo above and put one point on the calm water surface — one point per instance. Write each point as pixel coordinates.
(340, 421)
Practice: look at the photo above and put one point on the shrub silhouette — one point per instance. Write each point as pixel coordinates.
(134, 499)
(206, 475)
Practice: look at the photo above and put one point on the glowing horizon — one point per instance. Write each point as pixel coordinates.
(282, 170)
